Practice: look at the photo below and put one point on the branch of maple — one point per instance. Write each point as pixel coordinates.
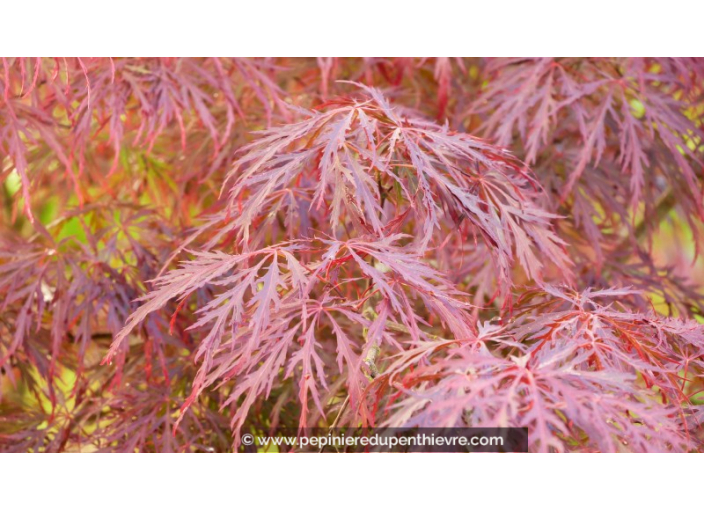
(339, 413)
(7, 201)
(100, 335)
(343, 407)
(370, 359)
(395, 326)
(16, 223)
(373, 352)
(662, 209)
(665, 205)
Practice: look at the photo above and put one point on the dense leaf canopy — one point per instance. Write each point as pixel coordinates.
(193, 248)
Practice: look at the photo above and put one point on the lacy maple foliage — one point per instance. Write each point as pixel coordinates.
(193, 248)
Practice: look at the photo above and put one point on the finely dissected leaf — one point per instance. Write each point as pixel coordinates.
(572, 383)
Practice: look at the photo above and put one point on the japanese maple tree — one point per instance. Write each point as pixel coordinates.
(191, 249)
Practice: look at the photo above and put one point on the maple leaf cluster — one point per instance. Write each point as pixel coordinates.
(196, 248)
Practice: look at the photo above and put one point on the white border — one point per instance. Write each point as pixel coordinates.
(359, 27)
(362, 481)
